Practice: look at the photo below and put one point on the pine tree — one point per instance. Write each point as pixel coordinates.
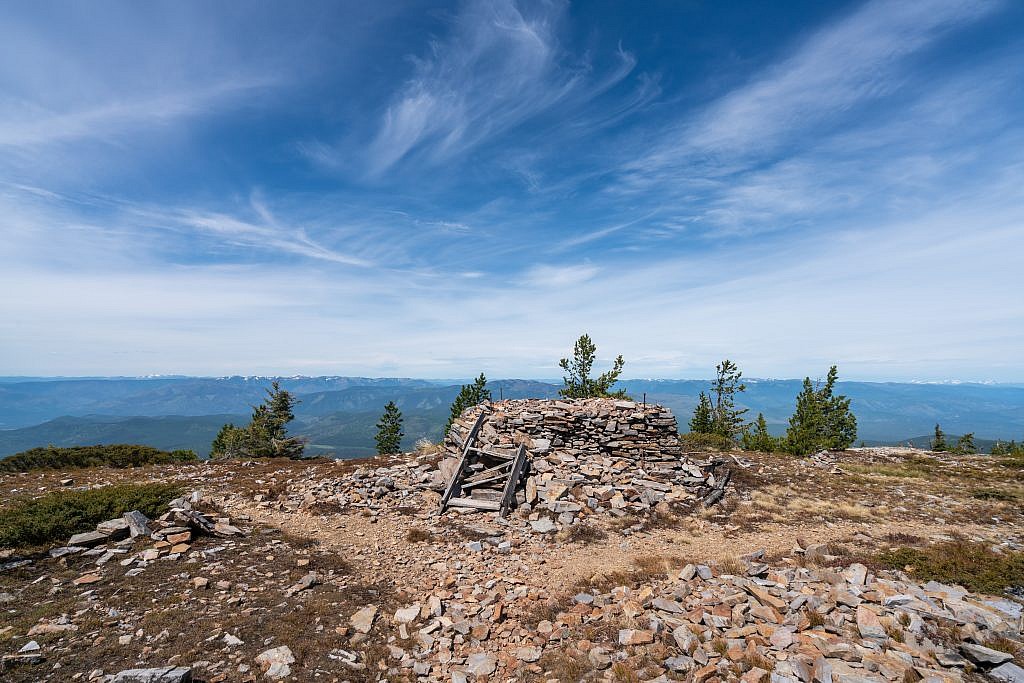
(1011, 448)
(703, 421)
(220, 448)
(760, 439)
(939, 440)
(579, 383)
(806, 424)
(840, 422)
(965, 445)
(266, 435)
(280, 408)
(727, 420)
(389, 430)
(822, 419)
(470, 395)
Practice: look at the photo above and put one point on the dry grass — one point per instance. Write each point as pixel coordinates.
(623, 672)
(912, 467)
(467, 533)
(418, 535)
(585, 533)
(782, 504)
(732, 565)
(815, 507)
(543, 610)
(1004, 644)
(566, 665)
(998, 495)
(755, 661)
(325, 508)
(645, 569)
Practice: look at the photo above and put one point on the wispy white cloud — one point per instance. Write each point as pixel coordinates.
(501, 66)
(843, 298)
(854, 61)
(555, 277)
(32, 126)
(601, 233)
(837, 203)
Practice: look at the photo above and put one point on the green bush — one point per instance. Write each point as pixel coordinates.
(971, 565)
(55, 517)
(110, 455)
(698, 441)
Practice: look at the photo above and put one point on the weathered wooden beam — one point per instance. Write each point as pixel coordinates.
(484, 451)
(493, 505)
(489, 471)
(457, 476)
(467, 484)
(509, 496)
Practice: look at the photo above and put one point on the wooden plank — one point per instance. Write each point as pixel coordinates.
(493, 505)
(489, 471)
(513, 481)
(484, 451)
(467, 484)
(457, 477)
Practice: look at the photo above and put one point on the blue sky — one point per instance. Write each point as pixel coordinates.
(434, 189)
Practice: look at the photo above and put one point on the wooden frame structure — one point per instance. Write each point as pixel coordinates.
(485, 479)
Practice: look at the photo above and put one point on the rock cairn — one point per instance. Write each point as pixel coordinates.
(122, 539)
(591, 455)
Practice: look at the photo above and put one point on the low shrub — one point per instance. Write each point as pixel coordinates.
(110, 455)
(586, 533)
(55, 517)
(418, 535)
(698, 441)
(974, 566)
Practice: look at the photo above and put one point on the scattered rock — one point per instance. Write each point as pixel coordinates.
(362, 621)
(481, 664)
(1008, 672)
(986, 656)
(274, 662)
(543, 525)
(30, 646)
(166, 674)
(529, 654)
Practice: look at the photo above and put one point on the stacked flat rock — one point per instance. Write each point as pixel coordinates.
(367, 487)
(123, 539)
(591, 454)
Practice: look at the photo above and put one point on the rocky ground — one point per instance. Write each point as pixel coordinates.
(345, 571)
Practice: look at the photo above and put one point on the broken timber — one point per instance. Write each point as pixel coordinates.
(478, 474)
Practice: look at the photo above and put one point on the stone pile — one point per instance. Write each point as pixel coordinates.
(786, 624)
(366, 487)
(168, 537)
(590, 455)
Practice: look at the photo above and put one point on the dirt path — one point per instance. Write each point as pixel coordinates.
(382, 543)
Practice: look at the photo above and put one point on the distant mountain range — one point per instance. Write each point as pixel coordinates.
(338, 414)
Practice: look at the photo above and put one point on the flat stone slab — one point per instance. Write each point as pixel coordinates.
(89, 539)
(543, 526)
(166, 674)
(362, 621)
(1008, 672)
(984, 655)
